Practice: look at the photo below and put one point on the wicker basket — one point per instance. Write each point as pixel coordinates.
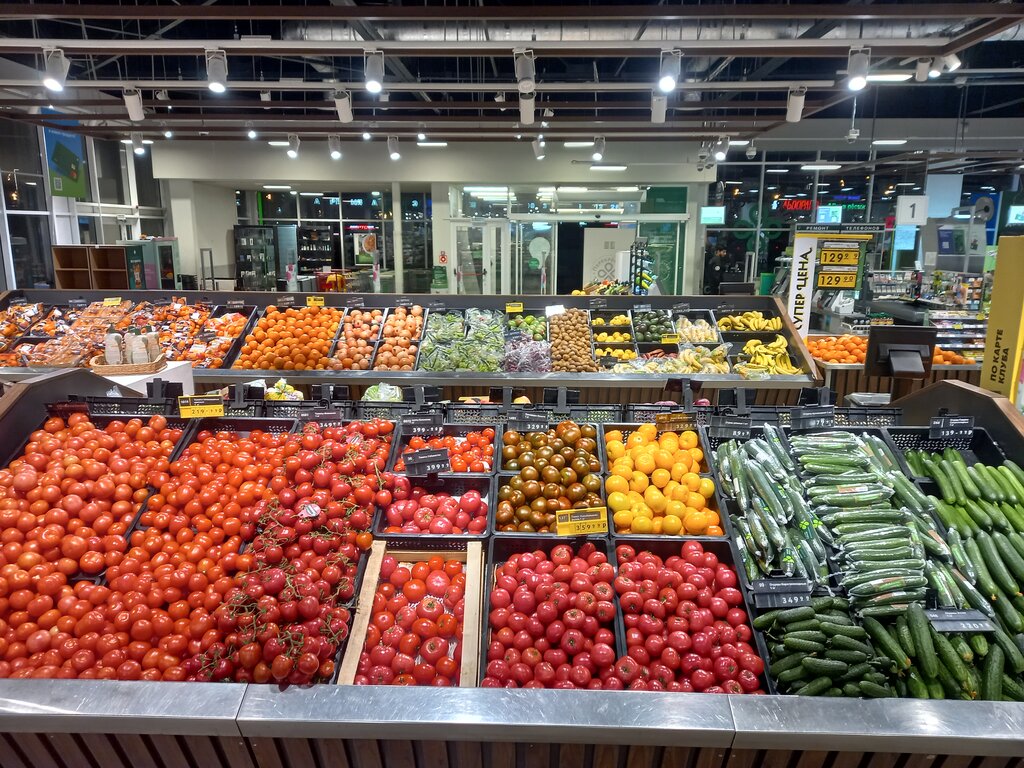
(134, 369)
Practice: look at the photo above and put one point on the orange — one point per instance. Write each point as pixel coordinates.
(695, 522)
(660, 478)
(707, 487)
(671, 525)
(663, 459)
(714, 530)
(692, 481)
(713, 518)
(649, 431)
(614, 434)
(695, 500)
(688, 439)
(645, 463)
(616, 483)
(635, 439)
(679, 470)
(639, 482)
(698, 455)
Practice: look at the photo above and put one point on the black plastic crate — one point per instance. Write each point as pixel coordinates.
(869, 417)
(628, 429)
(716, 504)
(250, 313)
(454, 486)
(598, 438)
(475, 413)
(450, 430)
(980, 449)
(129, 406)
(379, 409)
(303, 410)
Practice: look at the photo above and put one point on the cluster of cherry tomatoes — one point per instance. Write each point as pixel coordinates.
(415, 635)
(472, 453)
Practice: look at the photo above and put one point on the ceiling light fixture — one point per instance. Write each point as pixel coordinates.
(293, 146)
(889, 142)
(526, 69)
(250, 131)
(431, 143)
(168, 133)
(821, 167)
(373, 71)
(56, 69)
(393, 152)
(538, 149)
(951, 62)
(857, 66)
(217, 70)
(133, 103)
(277, 186)
(720, 149)
(598, 154)
(343, 103)
(527, 104)
(921, 69)
(421, 137)
(671, 66)
(738, 142)
(776, 170)
(608, 167)
(334, 146)
(795, 104)
(659, 107)
(137, 146)
(890, 77)
(277, 143)
(264, 95)
(934, 68)
(367, 136)
(577, 144)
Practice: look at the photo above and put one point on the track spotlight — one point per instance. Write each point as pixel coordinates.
(264, 95)
(250, 131)
(393, 152)
(951, 62)
(934, 68)
(293, 146)
(539, 151)
(137, 146)
(527, 104)
(133, 103)
(334, 145)
(373, 71)
(857, 66)
(795, 104)
(57, 67)
(217, 70)
(671, 66)
(526, 70)
(659, 107)
(343, 103)
(921, 69)
(598, 154)
(366, 136)
(168, 133)
(720, 149)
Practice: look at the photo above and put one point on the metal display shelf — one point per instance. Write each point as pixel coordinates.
(601, 380)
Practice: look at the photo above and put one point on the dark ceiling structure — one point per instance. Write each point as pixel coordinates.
(450, 67)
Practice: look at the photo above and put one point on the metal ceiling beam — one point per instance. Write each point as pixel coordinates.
(795, 48)
(704, 12)
(979, 34)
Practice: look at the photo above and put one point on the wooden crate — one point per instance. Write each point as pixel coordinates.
(471, 554)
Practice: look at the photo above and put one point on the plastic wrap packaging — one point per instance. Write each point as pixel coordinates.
(523, 355)
(383, 393)
(689, 360)
(696, 331)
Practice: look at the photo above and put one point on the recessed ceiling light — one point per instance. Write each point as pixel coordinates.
(608, 167)
(905, 184)
(278, 143)
(821, 167)
(889, 142)
(776, 170)
(890, 77)
(311, 194)
(431, 143)
(738, 142)
(577, 144)
(277, 186)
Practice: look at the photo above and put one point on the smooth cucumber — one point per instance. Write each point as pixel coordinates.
(919, 626)
(996, 567)
(992, 675)
(984, 579)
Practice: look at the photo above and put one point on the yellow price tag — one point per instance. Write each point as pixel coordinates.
(582, 522)
(514, 307)
(200, 406)
(113, 301)
(836, 258)
(314, 301)
(837, 280)
(670, 338)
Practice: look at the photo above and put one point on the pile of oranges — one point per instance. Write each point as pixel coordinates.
(359, 332)
(294, 339)
(654, 484)
(399, 339)
(945, 357)
(838, 349)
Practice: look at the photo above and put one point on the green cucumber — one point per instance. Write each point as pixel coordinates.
(977, 513)
(885, 642)
(985, 583)
(1009, 556)
(935, 689)
(836, 617)
(999, 520)
(874, 690)
(1014, 657)
(816, 687)
(829, 667)
(1003, 484)
(813, 636)
(971, 490)
(949, 470)
(849, 657)
(1015, 470)
(792, 661)
(1014, 515)
(823, 603)
(883, 586)
(974, 598)
(1010, 483)
(979, 644)
(919, 626)
(904, 636)
(804, 626)
(981, 483)
(765, 620)
(1007, 613)
(1012, 688)
(807, 646)
(894, 598)
(945, 596)
(915, 685)
(944, 651)
(950, 685)
(992, 675)
(803, 613)
(792, 675)
(856, 671)
(996, 567)
(1018, 542)
(956, 547)
(834, 630)
(844, 643)
(962, 648)
(946, 489)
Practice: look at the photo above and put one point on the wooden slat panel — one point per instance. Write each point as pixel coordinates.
(571, 755)
(847, 759)
(364, 753)
(9, 756)
(777, 758)
(811, 759)
(995, 762)
(500, 754)
(35, 751)
(640, 756)
(606, 756)
(70, 751)
(467, 754)
(743, 758)
(921, 761)
(397, 754)
(956, 761)
(236, 753)
(677, 757)
(882, 760)
(101, 747)
(532, 756)
(135, 750)
(201, 749)
(711, 757)
(297, 753)
(170, 752)
(330, 753)
(266, 753)
(430, 754)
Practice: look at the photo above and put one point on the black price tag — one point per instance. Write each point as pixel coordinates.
(235, 303)
(641, 307)
(427, 462)
(598, 302)
(437, 306)
(517, 334)
(681, 307)
(20, 301)
(403, 301)
(951, 428)
(330, 415)
(421, 423)
(730, 427)
(675, 422)
(354, 302)
(781, 593)
(959, 621)
(286, 301)
(608, 361)
(78, 303)
(813, 417)
(528, 422)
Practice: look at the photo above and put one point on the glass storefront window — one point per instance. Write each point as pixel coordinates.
(366, 206)
(19, 147)
(725, 254)
(30, 248)
(24, 192)
(88, 230)
(112, 230)
(319, 207)
(151, 227)
(788, 199)
(147, 188)
(278, 205)
(417, 242)
(848, 193)
(112, 173)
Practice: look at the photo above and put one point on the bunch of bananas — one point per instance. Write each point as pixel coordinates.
(613, 338)
(772, 357)
(749, 321)
(699, 332)
(704, 360)
(618, 354)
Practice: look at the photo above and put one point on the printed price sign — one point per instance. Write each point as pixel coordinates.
(598, 302)
(78, 303)
(286, 301)
(951, 428)
(581, 522)
(514, 307)
(781, 593)
(641, 307)
(681, 307)
(323, 415)
(675, 422)
(813, 417)
(831, 257)
(422, 422)
(437, 306)
(670, 338)
(112, 301)
(959, 621)
(314, 301)
(200, 406)
(354, 302)
(235, 304)
(404, 301)
(730, 427)
(427, 462)
(837, 280)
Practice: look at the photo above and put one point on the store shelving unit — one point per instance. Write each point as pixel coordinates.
(316, 248)
(71, 267)
(256, 258)
(961, 331)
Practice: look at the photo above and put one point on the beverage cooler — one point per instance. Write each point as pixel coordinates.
(154, 264)
(266, 257)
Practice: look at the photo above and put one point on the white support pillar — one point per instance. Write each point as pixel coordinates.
(396, 235)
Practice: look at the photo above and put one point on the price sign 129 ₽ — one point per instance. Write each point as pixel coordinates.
(837, 280)
(839, 258)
